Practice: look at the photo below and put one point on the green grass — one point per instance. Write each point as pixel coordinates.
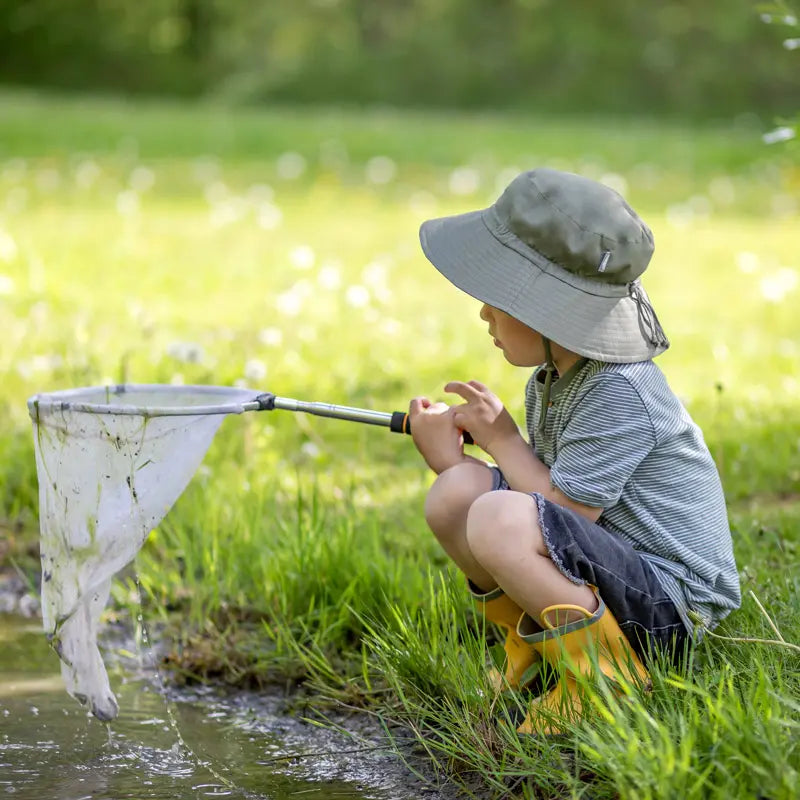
(131, 249)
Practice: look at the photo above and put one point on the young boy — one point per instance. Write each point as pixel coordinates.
(609, 527)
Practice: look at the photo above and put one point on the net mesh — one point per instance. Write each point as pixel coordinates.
(106, 478)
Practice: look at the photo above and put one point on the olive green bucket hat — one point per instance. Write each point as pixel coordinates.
(561, 253)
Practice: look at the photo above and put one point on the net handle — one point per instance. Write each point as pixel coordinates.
(396, 421)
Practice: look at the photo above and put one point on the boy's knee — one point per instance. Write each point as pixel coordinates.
(502, 526)
(452, 493)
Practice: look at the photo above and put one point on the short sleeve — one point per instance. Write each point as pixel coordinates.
(608, 435)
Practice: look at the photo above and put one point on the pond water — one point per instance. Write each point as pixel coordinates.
(197, 744)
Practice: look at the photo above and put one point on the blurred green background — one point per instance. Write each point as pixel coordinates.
(681, 58)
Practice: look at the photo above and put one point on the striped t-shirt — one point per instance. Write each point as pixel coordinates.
(617, 438)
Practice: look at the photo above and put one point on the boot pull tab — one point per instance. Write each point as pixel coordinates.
(567, 611)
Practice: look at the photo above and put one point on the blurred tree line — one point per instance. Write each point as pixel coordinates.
(698, 57)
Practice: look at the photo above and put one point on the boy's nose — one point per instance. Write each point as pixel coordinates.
(485, 312)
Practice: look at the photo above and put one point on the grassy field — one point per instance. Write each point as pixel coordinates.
(278, 249)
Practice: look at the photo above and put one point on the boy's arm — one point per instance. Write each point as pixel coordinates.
(493, 429)
(524, 472)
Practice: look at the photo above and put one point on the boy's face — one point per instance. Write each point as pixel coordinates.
(522, 346)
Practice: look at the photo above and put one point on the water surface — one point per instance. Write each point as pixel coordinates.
(196, 745)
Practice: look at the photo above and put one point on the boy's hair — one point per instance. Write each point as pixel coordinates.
(561, 253)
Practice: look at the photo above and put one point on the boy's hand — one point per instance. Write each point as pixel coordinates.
(483, 415)
(435, 434)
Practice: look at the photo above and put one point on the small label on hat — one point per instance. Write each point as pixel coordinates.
(604, 261)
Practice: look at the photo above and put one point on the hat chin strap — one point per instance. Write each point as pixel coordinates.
(549, 369)
(648, 321)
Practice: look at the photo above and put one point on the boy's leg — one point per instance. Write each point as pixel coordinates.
(446, 508)
(504, 538)
(446, 511)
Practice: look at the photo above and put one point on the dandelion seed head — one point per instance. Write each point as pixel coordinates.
(205, 169)
(722, 190)
(791, 44)
(333, 154)
(784, 205)
(381, 170)
(86, 173)
(776, 286)
(720, 351)
(646, 175)
(227, 213)
(390, 327)
(17, 199)
(615, 181)
(141, 179)
(310, 450)
(680, 215)
(422, 203)
(291, 302)
(7, 285)
(700, 206)
(302, 257)
(357, 296)
(186, 352)
(260, 193)
(747, 262)
(269, 216)
(290, 166)
(48, 180)
(255, 370)
(8, 247)
(271, 337)
(14, 169)
(216, 192)
(464, 181)
(127, 203)
(376, 273)
(330, 275)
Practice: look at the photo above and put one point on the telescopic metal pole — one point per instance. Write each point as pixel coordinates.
(396, 421)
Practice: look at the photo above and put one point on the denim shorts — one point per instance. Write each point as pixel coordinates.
(586, 552)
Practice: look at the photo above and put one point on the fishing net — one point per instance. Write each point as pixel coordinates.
(111, 461)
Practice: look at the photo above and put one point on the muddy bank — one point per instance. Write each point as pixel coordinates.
(349, 748)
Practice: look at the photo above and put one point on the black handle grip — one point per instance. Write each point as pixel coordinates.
(400, 423)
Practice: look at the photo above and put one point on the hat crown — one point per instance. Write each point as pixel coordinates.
(581, 225)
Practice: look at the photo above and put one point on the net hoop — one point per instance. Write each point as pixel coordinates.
(103, 400)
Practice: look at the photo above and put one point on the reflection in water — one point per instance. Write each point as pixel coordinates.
(52, 749)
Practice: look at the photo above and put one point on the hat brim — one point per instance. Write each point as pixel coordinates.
(598, 321)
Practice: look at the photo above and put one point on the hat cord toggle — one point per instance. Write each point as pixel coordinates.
(648, 321)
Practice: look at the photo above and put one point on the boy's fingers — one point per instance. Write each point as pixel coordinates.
(417, 404)
(479, 386)
(462, 389)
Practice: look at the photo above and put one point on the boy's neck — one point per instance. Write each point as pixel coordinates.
(563, 359)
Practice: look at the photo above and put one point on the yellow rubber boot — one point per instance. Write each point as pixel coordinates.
(497, 607)
(576, 648)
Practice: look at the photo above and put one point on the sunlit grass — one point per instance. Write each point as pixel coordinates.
(278, 249)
